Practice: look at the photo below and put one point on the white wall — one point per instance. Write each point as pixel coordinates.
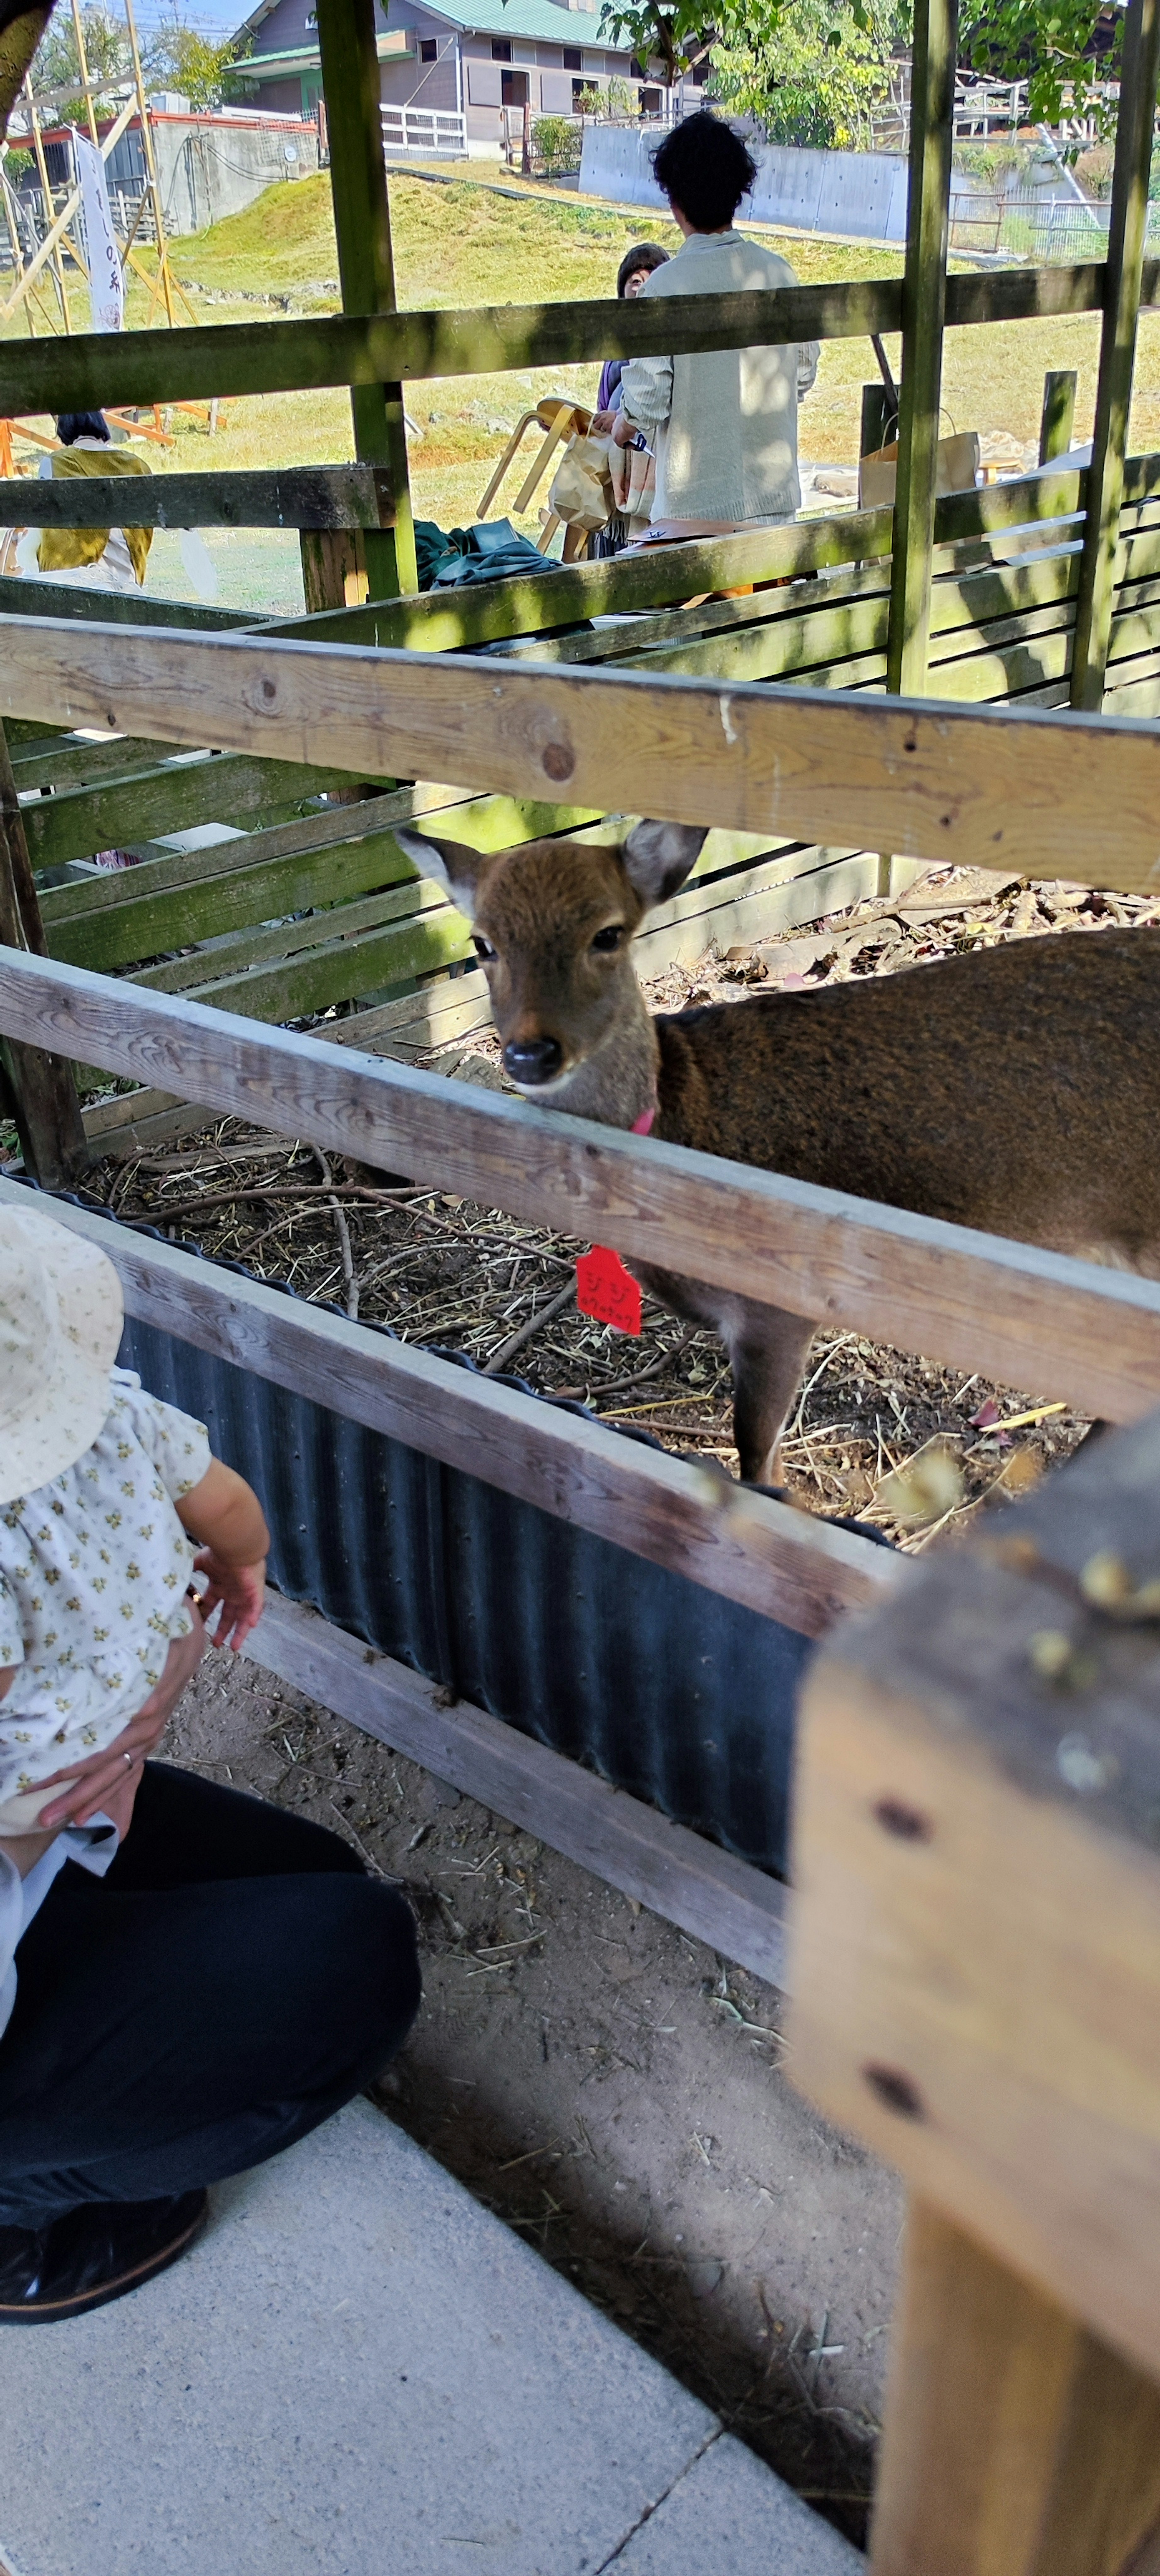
(862, 193)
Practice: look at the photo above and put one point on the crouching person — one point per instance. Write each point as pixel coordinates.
(189, 1979)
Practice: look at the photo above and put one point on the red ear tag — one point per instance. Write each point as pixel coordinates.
(607, 1291)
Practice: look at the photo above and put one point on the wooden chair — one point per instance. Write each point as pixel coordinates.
(560, 419)
(976, 1980)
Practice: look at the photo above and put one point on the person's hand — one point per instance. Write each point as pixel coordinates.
(239, 1590)
(602, 422)
(623, 432)
(107, 1783)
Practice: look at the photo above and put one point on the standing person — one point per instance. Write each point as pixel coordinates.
(180, 2000)
(722, 424)
(636, 267)
(101, 558)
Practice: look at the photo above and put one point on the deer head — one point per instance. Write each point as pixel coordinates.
(553, 924)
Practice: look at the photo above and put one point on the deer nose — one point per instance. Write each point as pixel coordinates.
(532, 1060)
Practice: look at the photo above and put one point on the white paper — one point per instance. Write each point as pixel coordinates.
(200, 568)
(102, 255)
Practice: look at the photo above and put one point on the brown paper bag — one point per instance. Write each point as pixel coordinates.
(958, 464)
(581, 493)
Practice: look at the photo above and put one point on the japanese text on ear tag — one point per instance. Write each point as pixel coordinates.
(607, 1291)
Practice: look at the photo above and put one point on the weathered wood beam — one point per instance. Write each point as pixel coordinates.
(1015, 2442)
(1131, 178)
(298, 496)
(784, 1564)
(362, 223)
(924, 289)
(341, 349)
(977, 1923)
(44, 1095)
(936, 781)
(1057, 421)
(1030, 1317)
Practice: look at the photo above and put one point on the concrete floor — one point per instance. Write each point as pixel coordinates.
(360, 2372)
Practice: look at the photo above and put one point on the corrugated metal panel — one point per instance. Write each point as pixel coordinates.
(669, 1691)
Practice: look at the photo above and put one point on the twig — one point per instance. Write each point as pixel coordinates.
(507, 1350)
(343, 1231)
(840, 1345)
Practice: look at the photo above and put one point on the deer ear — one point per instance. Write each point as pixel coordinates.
(658, 856)
(451, 864)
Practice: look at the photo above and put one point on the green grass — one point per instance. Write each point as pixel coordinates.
(468, 244)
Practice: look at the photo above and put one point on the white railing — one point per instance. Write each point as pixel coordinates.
(438, 133)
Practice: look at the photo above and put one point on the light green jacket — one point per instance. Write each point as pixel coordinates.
(722, 425)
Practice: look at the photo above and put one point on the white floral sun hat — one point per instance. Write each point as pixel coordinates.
(60, 1324)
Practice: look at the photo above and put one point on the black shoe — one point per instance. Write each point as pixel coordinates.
(95, 2253)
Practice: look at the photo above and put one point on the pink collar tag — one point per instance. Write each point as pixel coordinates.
(643, 1126)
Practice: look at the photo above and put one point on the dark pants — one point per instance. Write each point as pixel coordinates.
(234, 1979)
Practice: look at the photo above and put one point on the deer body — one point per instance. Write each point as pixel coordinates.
(1017, 1091)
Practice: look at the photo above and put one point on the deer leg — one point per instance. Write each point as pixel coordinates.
(767, 1349)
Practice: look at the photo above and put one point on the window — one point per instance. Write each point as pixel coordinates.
(700, 74)
(573, 59)
(428, 49)
(637, 70)
(514, 89)
(501, 50)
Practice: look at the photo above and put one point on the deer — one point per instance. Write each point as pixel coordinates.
(1016, 1091)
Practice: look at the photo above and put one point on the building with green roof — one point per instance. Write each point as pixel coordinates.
(457, 76)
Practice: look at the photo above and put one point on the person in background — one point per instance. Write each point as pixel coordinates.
(101, 558)
(722, 424)
(637, 265)
(180, 2000)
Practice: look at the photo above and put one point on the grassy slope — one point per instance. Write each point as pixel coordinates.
(467, 244)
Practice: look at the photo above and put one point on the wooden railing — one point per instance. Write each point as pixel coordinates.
(1030, 795)
(975, 1971)
(238, 358)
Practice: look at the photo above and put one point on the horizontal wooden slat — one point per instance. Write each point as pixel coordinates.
(736, 1909)
(484, 612)
(1033, 1318)
(295, 496)
(24, 598)
(66, 760)
(916, 776)
(783, 1563)
(352, 349)
(170, 798)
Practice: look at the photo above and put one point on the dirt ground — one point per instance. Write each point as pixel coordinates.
(613, 2089)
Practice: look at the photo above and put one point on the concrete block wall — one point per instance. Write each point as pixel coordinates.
(861, 193)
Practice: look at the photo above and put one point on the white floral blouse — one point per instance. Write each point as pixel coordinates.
(93, 1575)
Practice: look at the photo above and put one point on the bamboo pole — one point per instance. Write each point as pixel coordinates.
(163, 278)
(1129, 220)
(358, 178)
(46, 192)
(48, 1113)
(923, 318)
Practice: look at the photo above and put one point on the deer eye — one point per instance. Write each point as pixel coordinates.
(484, 951)
(610, 938)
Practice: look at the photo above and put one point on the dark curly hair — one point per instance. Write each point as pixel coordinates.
(705, 169)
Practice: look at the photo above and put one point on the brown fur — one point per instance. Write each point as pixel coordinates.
(1017, 1091)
